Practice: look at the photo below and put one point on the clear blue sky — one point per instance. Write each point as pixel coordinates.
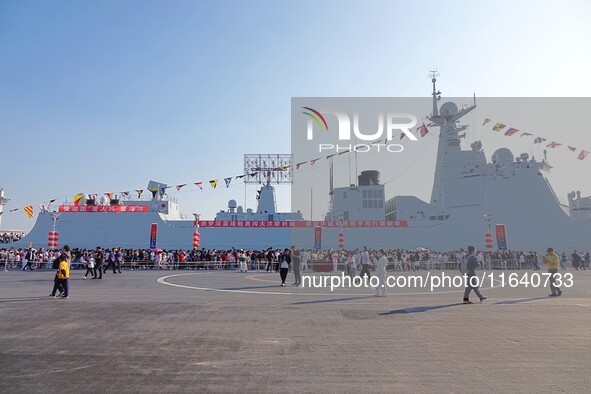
(102, 96)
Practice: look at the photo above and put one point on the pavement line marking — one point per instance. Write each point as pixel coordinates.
(162, 280)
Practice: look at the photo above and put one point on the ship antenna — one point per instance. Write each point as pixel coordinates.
(436, 93)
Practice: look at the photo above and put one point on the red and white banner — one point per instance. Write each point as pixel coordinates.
(501, 236)
(352, 223)
(104, 208)
(247, 223)
(302, 223)
(153, 235)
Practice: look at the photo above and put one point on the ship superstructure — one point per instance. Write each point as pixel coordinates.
(468, 193)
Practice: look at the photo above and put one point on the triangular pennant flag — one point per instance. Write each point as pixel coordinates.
(511, 131)
(199, 185)
(498, 127)
(13, 210)
(125, 194)
(139, 192)
(110, 195)
(228, 180)
(572, 148)
(582, 155)
(539, 140)
(77, 199)
(29, 211)
(213, 183)
(163, 190)
(179, 187)
(253, 173)
(313, 161)
(486, 120)
(153, 190)
(1, 213)
(553, 145)
(52, 200)
(423, 130)
(525, 134)
(300, 164)
(92, 196)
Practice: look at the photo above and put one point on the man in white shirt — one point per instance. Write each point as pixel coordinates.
(381, 274)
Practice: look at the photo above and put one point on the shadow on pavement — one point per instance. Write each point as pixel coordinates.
(330, 300)
(418, 309)
(519, 301)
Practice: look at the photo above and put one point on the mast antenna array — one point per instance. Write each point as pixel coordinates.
(265, 169)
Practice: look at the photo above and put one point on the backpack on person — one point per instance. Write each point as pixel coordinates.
(463, 266)
(56, 262)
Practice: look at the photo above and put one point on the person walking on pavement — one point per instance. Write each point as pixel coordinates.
(552, 261)
(352, 263)
(365, 263)
(296, 260)
(118, 260)
(471, 265)
(381, 274)
(284, 266)
(99, 258)
(89, 265)
(62, 281)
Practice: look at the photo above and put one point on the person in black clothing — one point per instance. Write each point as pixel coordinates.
(576, 260)
(98, 263)
(29, 257)
(471, 266)
(269, 257)
(284, 267)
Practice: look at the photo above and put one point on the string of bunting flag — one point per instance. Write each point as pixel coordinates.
(422, 131)
(510, 131)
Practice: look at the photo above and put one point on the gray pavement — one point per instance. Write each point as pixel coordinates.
(195, 331)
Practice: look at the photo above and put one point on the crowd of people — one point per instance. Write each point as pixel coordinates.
(98, 261)
(270, 259)
(6, 238)
(354, 263)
